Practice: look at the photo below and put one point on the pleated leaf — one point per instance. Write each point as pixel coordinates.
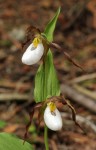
(10, 142)
(49, 30)
(46, 81)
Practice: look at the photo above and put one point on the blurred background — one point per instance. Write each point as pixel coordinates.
(76, 33)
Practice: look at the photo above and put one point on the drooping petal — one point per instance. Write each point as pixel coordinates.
(32, 55)
(53, 120)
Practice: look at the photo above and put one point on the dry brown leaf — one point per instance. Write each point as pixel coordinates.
(11, 128)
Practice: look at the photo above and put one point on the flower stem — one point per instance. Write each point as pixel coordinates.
(46, 137)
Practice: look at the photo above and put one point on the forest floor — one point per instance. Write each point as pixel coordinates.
(76, 33)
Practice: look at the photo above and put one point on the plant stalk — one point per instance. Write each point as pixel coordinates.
(46, 137)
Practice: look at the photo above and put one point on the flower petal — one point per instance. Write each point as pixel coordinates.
(32, 55)
(53, 121)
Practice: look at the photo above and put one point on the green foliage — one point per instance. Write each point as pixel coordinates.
(49, 30)
(33, 131)
(2, 124)
(10, 142)
(46, 82)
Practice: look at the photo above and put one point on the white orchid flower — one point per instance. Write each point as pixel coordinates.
(33, 53)
(52, 117)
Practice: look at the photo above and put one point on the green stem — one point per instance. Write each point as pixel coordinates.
(46, 137)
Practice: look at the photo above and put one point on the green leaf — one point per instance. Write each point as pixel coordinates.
(2, 124)
(46, 82)
(49, 30)
(10, 142)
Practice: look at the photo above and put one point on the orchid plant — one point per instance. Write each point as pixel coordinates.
(47, 89)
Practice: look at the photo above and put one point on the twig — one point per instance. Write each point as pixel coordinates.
(78, 97)
(13, 96)
(83, 120)
(58, 47)
(53, 145)
(85, 91)
(83, 78)
(14, 85)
